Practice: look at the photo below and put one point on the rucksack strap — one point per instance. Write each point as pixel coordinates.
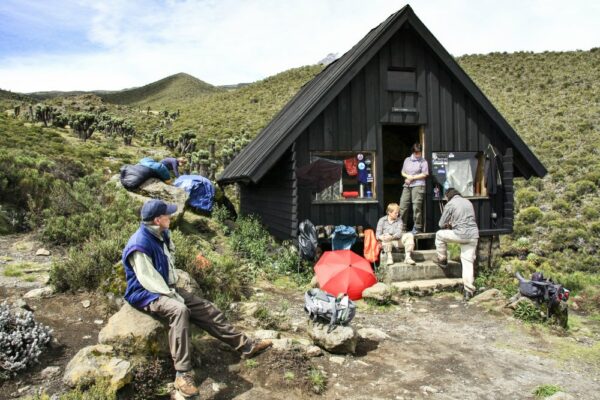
(332, 301)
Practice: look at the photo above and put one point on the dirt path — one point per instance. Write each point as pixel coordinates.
(438, 348)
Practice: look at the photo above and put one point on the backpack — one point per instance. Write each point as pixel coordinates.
(307, 240)
(132, 176)
(324, 307)
(543, 290)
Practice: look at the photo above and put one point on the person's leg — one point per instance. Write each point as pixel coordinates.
(467, 258)
(418, 193)
(387, 246)
(178, 316)
(205, 315)
(408, 241)
(405, 200)
(442, 237)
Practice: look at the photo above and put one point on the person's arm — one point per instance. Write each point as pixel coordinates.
(446, 216)
(149, 277)
(397, 230)
(424, 171)
(379, 231)
(175, 169)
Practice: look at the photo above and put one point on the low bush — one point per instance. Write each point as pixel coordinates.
(22, 340)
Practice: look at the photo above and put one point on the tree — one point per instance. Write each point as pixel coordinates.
(84, 124)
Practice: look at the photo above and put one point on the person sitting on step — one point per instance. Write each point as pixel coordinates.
(390, 234)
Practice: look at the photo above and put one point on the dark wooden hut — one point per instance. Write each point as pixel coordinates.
(395, 87)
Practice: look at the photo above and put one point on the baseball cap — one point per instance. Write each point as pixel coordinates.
(155, 208)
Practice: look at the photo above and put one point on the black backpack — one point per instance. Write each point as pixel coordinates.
(307, 240)
(543, 290)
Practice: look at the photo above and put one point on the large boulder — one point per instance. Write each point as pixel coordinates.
(94, 362)
(135, 332)
(342, 340)
(187, 283)
(156, 189)
(379, 292)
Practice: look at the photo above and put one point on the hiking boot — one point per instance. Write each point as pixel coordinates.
(390, 259)
(467, 295)
(408, 260)
(258, 348)
(184, 382)
(442, 263)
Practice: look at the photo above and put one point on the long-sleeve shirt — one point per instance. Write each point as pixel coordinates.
(460, 214)
(172, 164)
(384, 226)
(148, 276)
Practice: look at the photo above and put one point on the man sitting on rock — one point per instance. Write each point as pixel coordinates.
(389, 233)
(458, 226)
(149, 264)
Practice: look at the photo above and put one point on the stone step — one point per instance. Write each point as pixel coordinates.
(428, 286)
(399, 271)
(417, 255)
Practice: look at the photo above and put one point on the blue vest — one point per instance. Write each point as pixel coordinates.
(144, 241)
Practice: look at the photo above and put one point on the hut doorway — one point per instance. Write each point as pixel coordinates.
(397, 141)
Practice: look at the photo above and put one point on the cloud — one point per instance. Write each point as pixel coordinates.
(131, 43)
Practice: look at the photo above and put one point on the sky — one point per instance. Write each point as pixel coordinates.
(117, 44)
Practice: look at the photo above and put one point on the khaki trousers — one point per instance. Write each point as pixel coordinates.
(407, 242)
(412, 195)
(203, 314)
(468, 249)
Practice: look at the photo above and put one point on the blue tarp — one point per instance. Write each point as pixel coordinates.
(200, 190)
(160, 169)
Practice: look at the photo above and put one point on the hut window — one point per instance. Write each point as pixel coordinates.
(460, 170)
(339, 176)
(401, 80)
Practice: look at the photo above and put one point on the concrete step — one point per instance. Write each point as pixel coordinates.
(399, 271)
(428, 286)
(417, 255)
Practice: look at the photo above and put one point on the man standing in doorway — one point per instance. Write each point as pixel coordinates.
(414, 171)
(458, 226)
(150, 272)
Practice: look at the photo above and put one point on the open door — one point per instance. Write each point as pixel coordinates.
(397, 141)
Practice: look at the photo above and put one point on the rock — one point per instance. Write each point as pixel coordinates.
(135, 332)
(42, 252)
(282, 344)
(560, 396)
(518, 300)
(20, 303)
(218, 386)
(313, 351)
(98, 321)
(379, 292)
(23, 389)
(489, 296)
(156, 189)
(248, 309)
(41, 292)
(86, 303)
(428, 389)
(94, 362)
(575, 306)
(266, 334)
(337, 360)
(314, 283)
(372, 334)
(341, 340)
(50, 372)
(187, 283)
(234, 368)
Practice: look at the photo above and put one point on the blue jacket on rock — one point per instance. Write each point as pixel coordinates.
(144, 241)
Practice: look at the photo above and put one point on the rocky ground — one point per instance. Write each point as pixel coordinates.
(432, 347)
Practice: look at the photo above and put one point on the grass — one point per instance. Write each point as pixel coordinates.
(13, 270)
(289, 376)
(544, 391)
(318, 380)
(251, 363)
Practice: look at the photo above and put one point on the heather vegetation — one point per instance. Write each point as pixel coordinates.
(552, 100)
(57, 156)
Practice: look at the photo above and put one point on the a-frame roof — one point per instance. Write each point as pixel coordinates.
(262, 153)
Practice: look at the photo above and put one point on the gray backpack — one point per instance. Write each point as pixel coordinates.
(321, 306)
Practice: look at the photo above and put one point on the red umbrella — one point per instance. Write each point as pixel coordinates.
(343, 271)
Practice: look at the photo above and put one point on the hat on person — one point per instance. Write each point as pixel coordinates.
(155, 208)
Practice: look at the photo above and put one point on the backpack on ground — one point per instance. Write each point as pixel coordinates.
(324, 307)
(132, 176)
(545, 291)
(307, 240)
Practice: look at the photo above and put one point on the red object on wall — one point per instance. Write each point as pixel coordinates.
(350, 194)
(351, 165)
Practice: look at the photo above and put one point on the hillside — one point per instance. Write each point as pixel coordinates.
(175, 88)
(8, 95)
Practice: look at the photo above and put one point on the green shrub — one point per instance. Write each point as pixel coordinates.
(528, 312)
(584, 186)
(526, 197)
(591, 212)
(251, 240)
(544, 391)
(530, 215)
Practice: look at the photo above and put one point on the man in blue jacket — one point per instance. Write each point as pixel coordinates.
(150, 271)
